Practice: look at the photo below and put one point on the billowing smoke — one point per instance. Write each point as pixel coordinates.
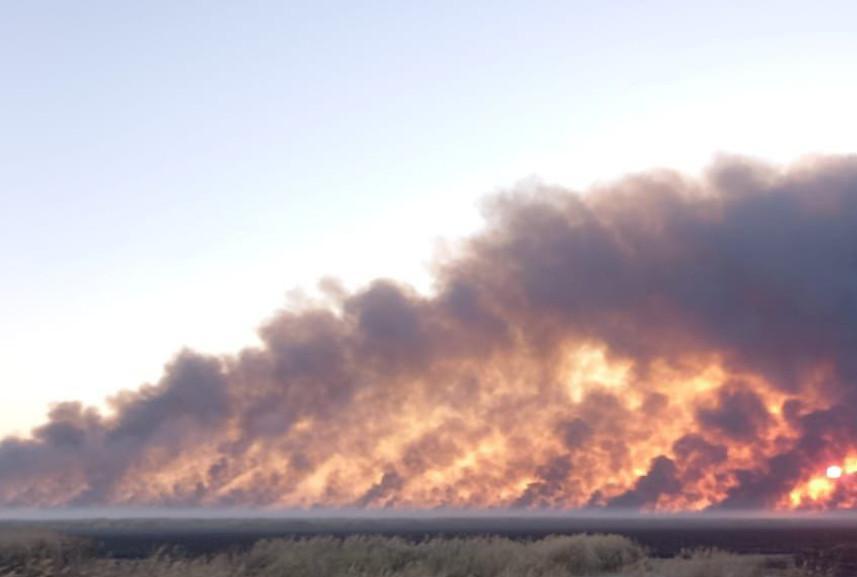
(663, 342)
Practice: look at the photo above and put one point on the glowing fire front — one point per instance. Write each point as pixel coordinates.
(597, 432)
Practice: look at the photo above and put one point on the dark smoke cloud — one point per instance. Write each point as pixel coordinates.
(740, 414)
(386, 397)
(661, 479)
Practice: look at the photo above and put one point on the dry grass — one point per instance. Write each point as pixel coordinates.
(38, 553)
(714, 563)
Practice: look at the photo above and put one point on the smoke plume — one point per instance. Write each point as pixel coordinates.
(660, 343)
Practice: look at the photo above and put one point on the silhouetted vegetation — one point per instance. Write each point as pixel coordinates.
(40, 553)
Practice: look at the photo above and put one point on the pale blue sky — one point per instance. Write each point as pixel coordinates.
(169, 170)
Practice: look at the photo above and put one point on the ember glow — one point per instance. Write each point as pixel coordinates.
(661, 343)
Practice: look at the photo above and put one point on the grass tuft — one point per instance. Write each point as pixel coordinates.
(44, 554)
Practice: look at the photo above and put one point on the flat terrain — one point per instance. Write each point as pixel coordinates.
(818, 543)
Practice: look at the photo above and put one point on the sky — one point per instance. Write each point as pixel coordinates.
(173, 173)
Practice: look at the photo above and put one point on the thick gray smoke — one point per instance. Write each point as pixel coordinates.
(558, 364)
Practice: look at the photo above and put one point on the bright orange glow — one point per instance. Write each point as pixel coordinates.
(606, 426)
